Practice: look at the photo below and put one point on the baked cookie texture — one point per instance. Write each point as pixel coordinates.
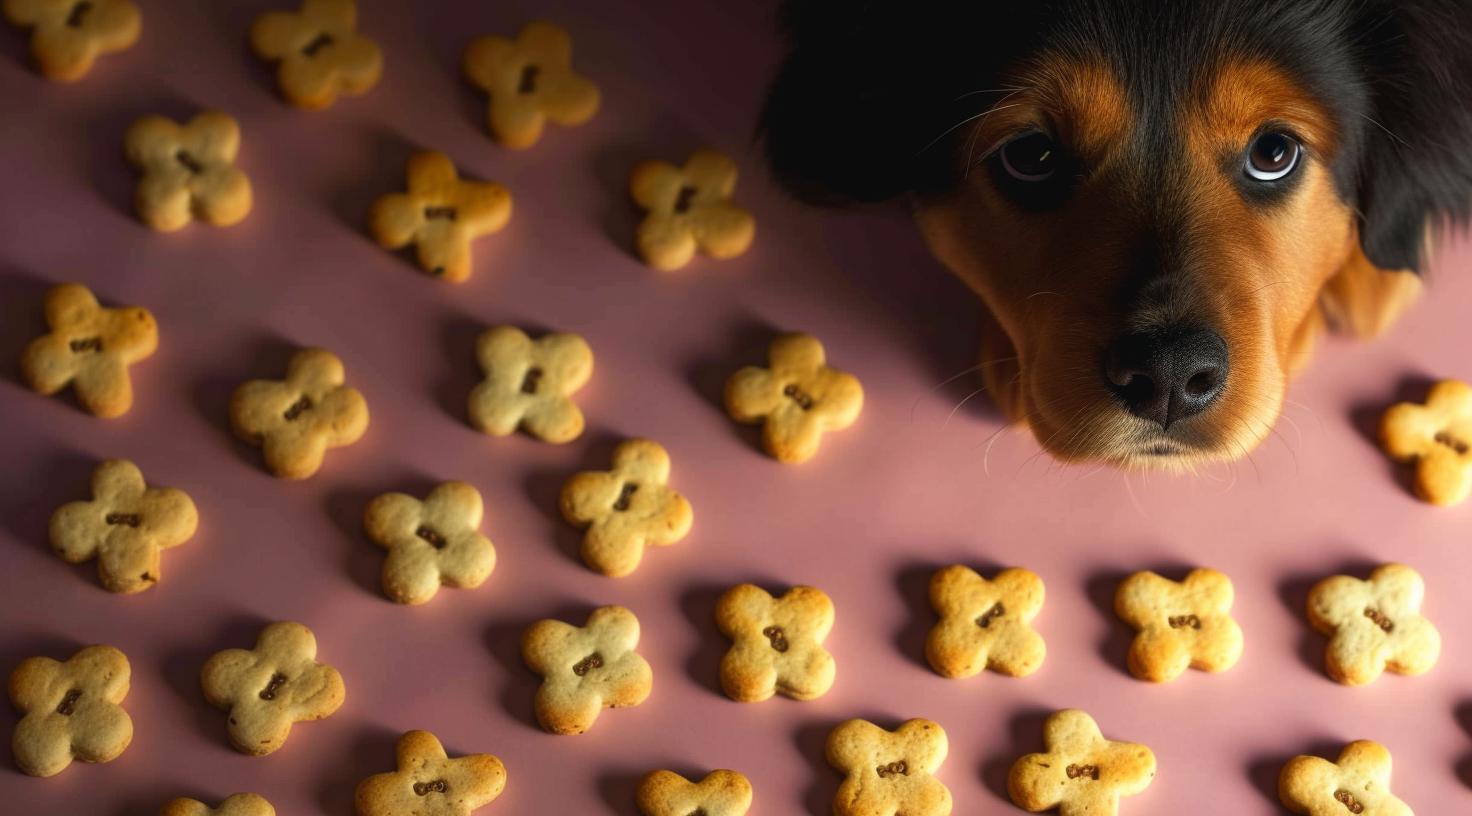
(267, 689)
(89, 347)
(529, 384)
(689, 209)
(319, 52)
(440, 214)
(296, 420)
(1356, 783)
(626, 509)
(427, 782)
(188, 171)
(126, 526)
(586, 669)
(1181, 624)
(70, 709)
(1080, 772)
(776, 643)
(530, 82)
(720, 793)
(430, 543)
(1437, 437)
(1374, 625)
(985, 624)
(239, 804)
(797, 398)
(67, 36)
(889, 772)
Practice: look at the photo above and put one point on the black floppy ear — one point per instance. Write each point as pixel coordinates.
(1415, 170)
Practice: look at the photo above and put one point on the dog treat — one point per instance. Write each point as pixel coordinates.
(720, 793)
(70, 710)
(429, 783)
(240, 804)
(440, 215)
(90, 348)
(294, 421)
(529, 384)
(268, 688)
(586, 669)
(1374, 625)
(796, 399)
(1357, 783)
(776, 643)
(319, 52)
(530, 81)
(627, 508)
(1185, 624)
(1081, 773)
(889, 772)
(1437, 436)
(126, 526)
(985, 624)
(689, 208)
(67, 36)
(188, 171)
(431, 542)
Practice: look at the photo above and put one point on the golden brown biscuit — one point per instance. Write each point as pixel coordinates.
(720, 793)
(586, 669)
(1185, 624)
(985, 624)
(1436, 436)
(776, 643)
(1357, 783)
(627, 508)
(689, 208)
(126, 526)
(267, 689)
(240, 804)
(296, 420)
(90, 348)
(429, 783)
(797, 399)
(188, 171)
(67, 36)
(889, 772)
(1374, 625)
(70, 710)
(529, 384)
(440, 215)
(1080, 772)
(430, 543)
(319, 51)
(531, 82)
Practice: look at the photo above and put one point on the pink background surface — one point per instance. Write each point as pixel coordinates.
(906, 490)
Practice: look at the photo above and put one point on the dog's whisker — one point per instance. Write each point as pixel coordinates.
(948, 131)
(963, 401)
(1004, 89)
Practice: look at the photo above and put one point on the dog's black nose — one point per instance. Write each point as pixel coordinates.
(1168, 375)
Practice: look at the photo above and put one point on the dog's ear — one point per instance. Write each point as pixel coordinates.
(1415, 170)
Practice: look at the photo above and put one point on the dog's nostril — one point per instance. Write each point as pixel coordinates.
(1168, 375)
(1201, 383)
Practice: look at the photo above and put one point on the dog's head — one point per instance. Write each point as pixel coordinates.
(1151, 199)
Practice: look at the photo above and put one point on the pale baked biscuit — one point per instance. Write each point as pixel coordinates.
(720, 793)
(319, 51)
(67, 36)
(689, 208)
(985, 624)
(1374, 625)
(440, 215)
(70, 710)
(1185, 624)
(776, 643)
(239, 804)
(1080, 772)
(797, 398)
(1437, 436)
(889, 772)
(429, 783)
(267, 689)
(431, 542)
(296, 420)
(1357, 783)
(529, 384)
(586, 669)
(531, 82)
(89, 347)
(188, 171)
(627, 508)
(126, 526)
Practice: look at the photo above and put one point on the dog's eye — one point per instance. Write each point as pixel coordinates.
(1272, 156)
(1032, 157)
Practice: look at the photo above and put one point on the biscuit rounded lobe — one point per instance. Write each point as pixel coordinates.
(90, 348)
(440, 214)
(689, 210)
(239, 804)
(529, 384)
(1179, 625)
(720, 793)
(427, 782)
(626, 509)
(1080, 772)
(267, 689)
(1437, 436)
(530, 82)
(70, 710)
(985, 624)
(1374, 625)
(188, 171)
(889, 772)
(296, 420)
(797, 398)
(776, 643)
(430, 543)
(1359, 778)
(67, 36)
(586, 668)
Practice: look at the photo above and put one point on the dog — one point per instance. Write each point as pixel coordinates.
(1161, 203)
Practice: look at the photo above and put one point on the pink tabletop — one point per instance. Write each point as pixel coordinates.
(916, 484)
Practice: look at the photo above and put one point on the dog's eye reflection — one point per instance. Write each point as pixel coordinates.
(1030, 157)
(1272, 156)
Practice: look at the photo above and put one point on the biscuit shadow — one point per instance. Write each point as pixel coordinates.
(812, 741)
(383, 171)
(1264, 769)
(22, 314)
(913, 584)
(232, 23)
(362, 559)
(544, 489)
(458, 335)
(26, 514)
(1463, 714)
(15, 50)
(1293, 593)
(264, 357)
(747, 345)
(698, 605)
(182, 667)
(1025, 732)
(372, 752)
(1365, 417)
(619, 790)
(503, 640)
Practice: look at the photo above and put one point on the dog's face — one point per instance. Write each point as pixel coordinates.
(1149, 202)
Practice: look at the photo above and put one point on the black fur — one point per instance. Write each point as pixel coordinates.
(863, 108)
